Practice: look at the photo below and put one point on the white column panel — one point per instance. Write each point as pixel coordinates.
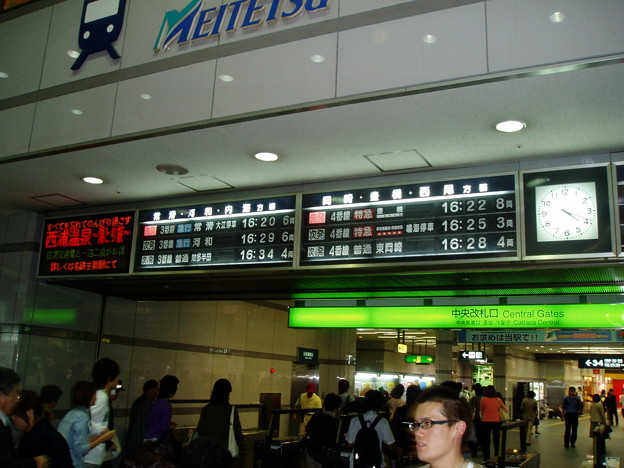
(15, 126)
(22, 50)
(276, 76)
(522, 33)
(176, 96)
(435, 46)
(64, 31)
(56, 125)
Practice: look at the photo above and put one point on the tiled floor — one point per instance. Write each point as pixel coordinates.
(549, 444)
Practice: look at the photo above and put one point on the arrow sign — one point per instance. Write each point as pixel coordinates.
(602, 362)
(419, 359)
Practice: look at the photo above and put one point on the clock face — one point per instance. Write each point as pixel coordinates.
(566, 212)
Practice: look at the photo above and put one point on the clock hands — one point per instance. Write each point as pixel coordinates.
(576, 216)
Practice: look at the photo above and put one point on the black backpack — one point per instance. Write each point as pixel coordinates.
(367, 450)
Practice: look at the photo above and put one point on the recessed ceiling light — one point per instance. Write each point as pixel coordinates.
(429, 39)
(171, 169)
(73, 53)
(145, 96)
(93, 180)
(317, 58)
(510, 126)
(3, 75)
(226, 78)
(557, 17)
(76, 111)
(267, 157)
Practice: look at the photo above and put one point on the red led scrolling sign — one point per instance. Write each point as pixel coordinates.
(88, 245)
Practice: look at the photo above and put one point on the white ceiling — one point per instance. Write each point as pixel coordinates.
(578, 111)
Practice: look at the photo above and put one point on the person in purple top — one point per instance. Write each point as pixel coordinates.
(160, 423)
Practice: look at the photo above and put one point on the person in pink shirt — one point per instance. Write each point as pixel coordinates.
(489, 406)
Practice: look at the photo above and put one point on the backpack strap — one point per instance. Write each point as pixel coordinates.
(362, 422)
(377, 419)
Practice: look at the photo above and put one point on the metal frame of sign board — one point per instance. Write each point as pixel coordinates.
(609, 198)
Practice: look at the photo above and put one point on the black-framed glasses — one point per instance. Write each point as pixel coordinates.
(427, 424)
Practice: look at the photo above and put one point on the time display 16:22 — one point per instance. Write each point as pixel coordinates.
(220, 234)
(428, 221)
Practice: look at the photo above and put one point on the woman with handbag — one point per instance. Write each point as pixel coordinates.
(491, 407)
(219, 420)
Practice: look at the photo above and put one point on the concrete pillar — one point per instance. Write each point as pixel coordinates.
(445, 339)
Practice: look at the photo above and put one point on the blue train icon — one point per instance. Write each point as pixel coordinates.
(100, 26)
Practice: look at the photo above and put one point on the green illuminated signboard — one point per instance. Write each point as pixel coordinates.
(494, 316)
(419, 359)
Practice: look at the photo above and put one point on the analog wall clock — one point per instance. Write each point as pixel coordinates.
(567, 212)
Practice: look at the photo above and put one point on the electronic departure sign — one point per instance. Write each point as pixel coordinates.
(87, 245)
(602, 362)
(427, 221)
(226, 234)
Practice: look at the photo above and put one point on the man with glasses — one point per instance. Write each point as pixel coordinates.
(9, 394)
(440, 426)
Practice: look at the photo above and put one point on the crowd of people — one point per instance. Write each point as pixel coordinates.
(442, 426)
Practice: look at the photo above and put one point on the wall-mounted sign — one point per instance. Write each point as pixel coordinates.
(252, 232)
(467, 218)
(419, 359)
(602, 362)
(310, 356)
(195, 23)
(100, 26)
(539, 336)
(471, 355)
(402, 348)
(507, 316)
(567, 212)
(87, 245)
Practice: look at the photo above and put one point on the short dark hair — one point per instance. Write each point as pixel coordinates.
(221, 391)
(168, 386)
(572, 389)
(8, 380)
(398, 391)
(453, 407)
(104, 371)
(490, 391)
(531, 394)
(50, 393)
(29, 400)
(149, 385)
(374, 400)
(331, 402)
(81, 393)
(596, 398)
(204, 452)
(343, 385)
(412, 393)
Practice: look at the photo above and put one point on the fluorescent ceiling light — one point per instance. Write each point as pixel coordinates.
(429, 39)
(317, 58)
(3, 75)
(510, 126)
(145, 96)
(73, 53)
(76, 111)
(226, 78)
(557, 17)
(93, 180)
(265, 156)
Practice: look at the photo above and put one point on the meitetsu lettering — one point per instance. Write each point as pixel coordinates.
(194, 22)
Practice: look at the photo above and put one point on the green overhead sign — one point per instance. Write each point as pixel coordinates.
(419, 359)
(493, 316)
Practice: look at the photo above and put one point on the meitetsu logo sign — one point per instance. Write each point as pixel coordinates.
(194, 22)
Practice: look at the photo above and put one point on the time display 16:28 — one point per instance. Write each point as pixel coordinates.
(447, 219)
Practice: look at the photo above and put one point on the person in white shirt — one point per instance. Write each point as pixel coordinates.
(440, 426)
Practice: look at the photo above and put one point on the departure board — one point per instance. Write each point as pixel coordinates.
(473, 218)
(227, 234)
(620, 195)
